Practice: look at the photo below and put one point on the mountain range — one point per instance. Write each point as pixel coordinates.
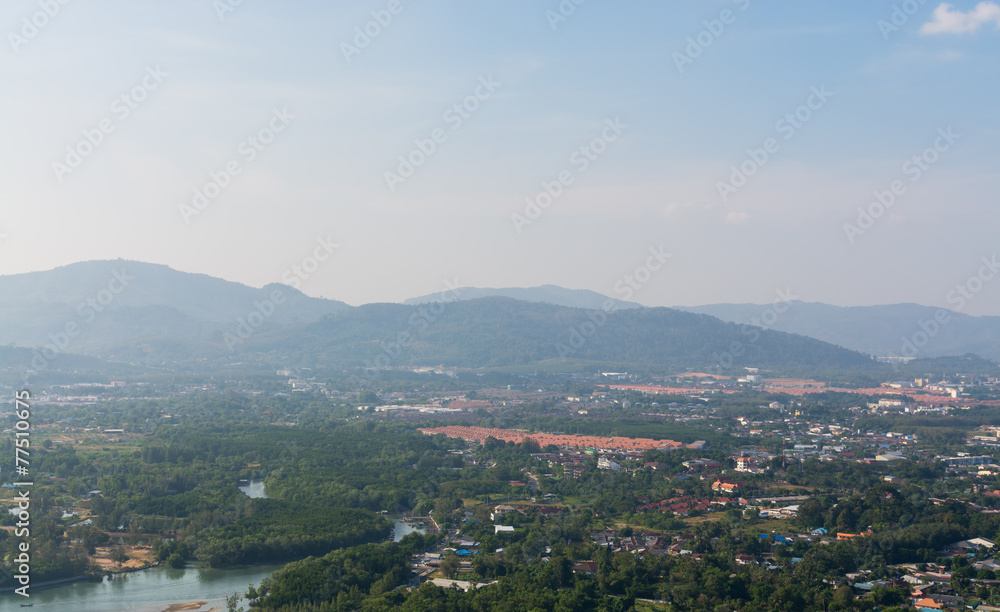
(91, 307)
(137, 313)
(889, 330)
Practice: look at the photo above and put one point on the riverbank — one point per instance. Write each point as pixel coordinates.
(96, 577)
(188, 607)
(50, 583)
(155, 588)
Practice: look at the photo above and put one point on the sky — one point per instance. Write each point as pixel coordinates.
(676, 152)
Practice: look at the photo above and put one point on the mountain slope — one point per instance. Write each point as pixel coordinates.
(501, 332)
(547, 294)
(90, 306)
(877, 330)
(137, 313)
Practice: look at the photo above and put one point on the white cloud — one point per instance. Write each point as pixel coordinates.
(949, 21)
(735, 218)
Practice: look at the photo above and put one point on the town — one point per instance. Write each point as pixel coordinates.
(768, 475)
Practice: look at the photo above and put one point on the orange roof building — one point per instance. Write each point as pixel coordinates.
(480, 434)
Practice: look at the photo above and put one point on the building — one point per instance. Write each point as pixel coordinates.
(725, 485)
(890, 457)
(588, 568)
(751, 465)
(606, 464)
(701, 465)
(502, 510)
(967, 460)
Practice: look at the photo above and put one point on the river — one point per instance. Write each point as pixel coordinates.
(154, 590)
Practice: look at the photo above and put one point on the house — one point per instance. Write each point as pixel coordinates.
(502, 510)
(701, 465)
(503, 529)
(725, 485)
(606, 464)
(920, 591)
(746, 560)
(604, 537)
(938, 578)
(948, 601)
(967, 547)
(990, 564)
(547, 510)
(982, 542)
(588, 568)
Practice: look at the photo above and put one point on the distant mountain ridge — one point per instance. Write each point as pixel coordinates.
(546, 294)
(497, 332)
(147, 315)
(886, 330)
(97, 304)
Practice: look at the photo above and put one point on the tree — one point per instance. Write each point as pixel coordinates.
(176, 561)
(367, 397)
(232, 602)
(844, 597)
(450, 565)
(811, 513)
(118, 555)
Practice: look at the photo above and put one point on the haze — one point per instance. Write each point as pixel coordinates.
(738, 137)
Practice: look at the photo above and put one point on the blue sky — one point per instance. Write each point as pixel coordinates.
(896, 75)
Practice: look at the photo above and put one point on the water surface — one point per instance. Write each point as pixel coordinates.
(151, 590)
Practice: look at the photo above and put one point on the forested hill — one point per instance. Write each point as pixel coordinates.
(133, 313)
(499, 332)
(94, 306)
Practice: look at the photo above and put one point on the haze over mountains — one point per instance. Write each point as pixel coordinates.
(108, 303)
(876, 330)
(150, 314)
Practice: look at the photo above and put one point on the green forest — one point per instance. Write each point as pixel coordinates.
(331, 472)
